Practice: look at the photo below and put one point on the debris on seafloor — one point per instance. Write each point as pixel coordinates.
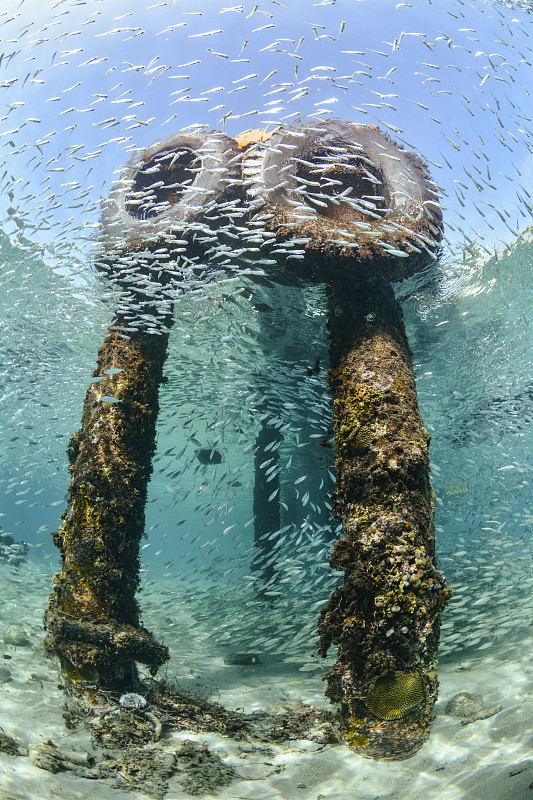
(242, 659)
(469, 708)
(130, 749)
(11, 746)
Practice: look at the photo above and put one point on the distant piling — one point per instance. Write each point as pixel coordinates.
(266, 502)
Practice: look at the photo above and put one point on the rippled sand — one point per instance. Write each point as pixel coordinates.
(485, 758)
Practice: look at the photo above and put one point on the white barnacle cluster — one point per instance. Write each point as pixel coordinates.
(132, 700)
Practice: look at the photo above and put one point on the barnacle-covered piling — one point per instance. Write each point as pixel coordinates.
(93, 616)
(167, 196)
(385, 616)
(364, 212)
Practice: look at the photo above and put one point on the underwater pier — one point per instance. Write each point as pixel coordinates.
(330, 203)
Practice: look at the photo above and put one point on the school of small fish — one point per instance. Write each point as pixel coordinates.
(86, 88)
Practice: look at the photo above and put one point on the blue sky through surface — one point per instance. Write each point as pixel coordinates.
(84, 84)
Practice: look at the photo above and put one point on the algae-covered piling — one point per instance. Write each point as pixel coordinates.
(173, 189)
(372, 217)
(93, 616)
(385, 616)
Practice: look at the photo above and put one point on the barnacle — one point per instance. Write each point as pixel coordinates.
(395, 694)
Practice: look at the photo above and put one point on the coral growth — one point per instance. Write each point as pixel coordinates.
(385, 616)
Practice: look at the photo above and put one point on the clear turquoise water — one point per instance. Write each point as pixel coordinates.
(240, 354)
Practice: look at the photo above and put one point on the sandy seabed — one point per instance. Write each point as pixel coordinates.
(486, 759)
